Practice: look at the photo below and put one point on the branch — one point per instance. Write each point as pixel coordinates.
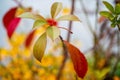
(64, 47)
(64, 59)
(19, 3)
(96, 14)
(70, 23)
(86, 16)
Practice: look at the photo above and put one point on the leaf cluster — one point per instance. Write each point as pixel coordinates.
(52, 31)
(113, 13)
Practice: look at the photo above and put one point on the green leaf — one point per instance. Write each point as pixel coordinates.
(109, 6)
(31, 16)
(113, 24)
(118, 21)
(39, 23)
(68, 17)
(53, 32)
(107, 15)
(117, 9)
(117, 72)
(40, 46)
(55, 9)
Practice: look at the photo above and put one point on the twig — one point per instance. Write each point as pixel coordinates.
(64, 59)
(18, 3)
(70, 23)
(66, 29)
(64, 47)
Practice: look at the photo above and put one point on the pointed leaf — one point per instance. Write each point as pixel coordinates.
(12, 26)
(31, 16)
(40, 46)
(10, 22)
(117, 9)
(53, 32)
(39, 23)
(109, 6)
(9, 16)
(29, 38)
(68, 18)
(107, 15)
(79, 61)
(55, 9)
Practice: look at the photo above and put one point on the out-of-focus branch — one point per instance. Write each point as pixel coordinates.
(70, 23)
(96, 14)
(18, 3)
(111, 74)
(108, 51)
(65, 55)
(86, 16)
(64, 59)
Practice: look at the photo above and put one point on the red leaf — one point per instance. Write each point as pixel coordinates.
(9, 16)
(10, 22)
(29, 38)
(12, 26)
(79, 61)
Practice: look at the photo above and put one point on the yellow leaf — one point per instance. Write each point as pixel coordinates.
(19, 11)
(31, 16)
(40, 46)
(39, 23)
(53, 32)
(55, 9)
(68, 18)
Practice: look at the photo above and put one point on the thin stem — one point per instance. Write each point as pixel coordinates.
(64, 59)
(66, 29)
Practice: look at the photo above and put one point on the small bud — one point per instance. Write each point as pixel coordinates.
(52, 22)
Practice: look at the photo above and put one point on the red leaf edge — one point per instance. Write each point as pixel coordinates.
(29, 38)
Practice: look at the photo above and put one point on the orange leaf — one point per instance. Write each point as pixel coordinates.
(79, 61)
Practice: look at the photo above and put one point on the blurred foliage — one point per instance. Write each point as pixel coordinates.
(22, 66)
